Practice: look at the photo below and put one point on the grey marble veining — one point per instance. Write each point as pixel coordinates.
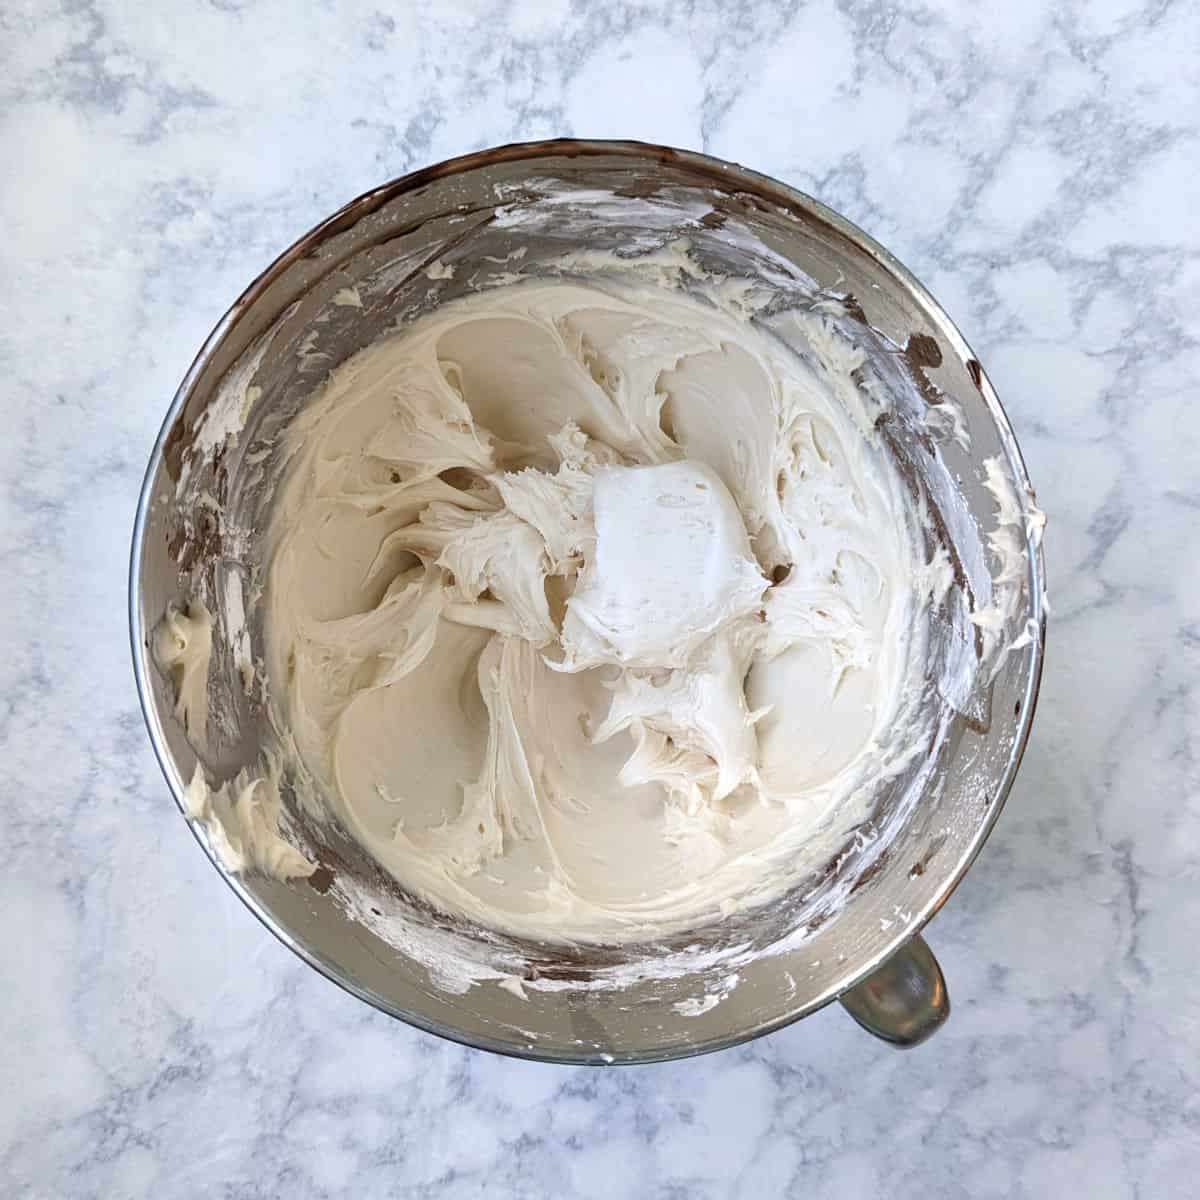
(1036, 163)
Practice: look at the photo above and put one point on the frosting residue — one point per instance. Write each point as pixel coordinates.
(182, 647)
(241, 820)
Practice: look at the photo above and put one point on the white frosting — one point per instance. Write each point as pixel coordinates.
(654, 527)
(241, 820)
(1017, 526)
(594, 611)
(183, 642)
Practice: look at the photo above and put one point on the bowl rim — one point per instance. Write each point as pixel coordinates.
(764, 186)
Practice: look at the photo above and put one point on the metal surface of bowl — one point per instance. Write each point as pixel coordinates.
(629, 198)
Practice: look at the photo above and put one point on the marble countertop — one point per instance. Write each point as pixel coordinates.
(1037, 164)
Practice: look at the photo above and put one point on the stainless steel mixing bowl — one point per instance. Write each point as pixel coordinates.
(760, 970)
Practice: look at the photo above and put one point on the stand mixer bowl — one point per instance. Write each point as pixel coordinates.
(850, 933)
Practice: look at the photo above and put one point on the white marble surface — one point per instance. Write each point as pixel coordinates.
(1036, 163)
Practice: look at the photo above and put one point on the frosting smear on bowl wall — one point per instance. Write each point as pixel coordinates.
(594, 610)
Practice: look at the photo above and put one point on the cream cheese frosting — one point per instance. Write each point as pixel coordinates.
(241, 819)
(592, 606)
(182, 647)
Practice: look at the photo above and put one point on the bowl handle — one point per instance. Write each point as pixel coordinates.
(905, 1000)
